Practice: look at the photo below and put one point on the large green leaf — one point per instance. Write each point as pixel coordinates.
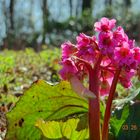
(43, 101)
(62, 130)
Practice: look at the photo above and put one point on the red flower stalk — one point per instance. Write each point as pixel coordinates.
(94, 104)
(108, 106)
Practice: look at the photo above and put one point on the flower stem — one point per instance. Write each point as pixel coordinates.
(94, 104)
(108, 106)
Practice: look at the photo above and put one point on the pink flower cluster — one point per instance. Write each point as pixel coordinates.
(112, 44)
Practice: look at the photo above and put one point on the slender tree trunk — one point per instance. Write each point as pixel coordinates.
(108, 2)
(78, 7)
(11, 10)
(87, 4)
(70, 3)
(45, 12)
(127, 5)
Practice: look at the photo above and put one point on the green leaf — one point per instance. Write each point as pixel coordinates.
(102, 111)
(83, 122)
(130, 129)
(44, 101)
(67, 130)
(124, 123)
(119, 117)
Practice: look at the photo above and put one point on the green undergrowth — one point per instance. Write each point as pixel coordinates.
(19, 69)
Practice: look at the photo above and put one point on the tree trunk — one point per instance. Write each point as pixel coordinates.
(127, 3)
(108, 2)
(70, 4)
(45, 12)
(87, 4)
(11, 10)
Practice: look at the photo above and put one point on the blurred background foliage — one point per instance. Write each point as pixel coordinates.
(31, 23)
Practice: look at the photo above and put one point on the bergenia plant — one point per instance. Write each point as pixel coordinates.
(106, 59)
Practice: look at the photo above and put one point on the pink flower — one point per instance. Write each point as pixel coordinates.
(87, 47)
(88, 56)
(125, 78)
(106, 81)
(83, 40)
(67, 49)
(126, 83)
(69, 68)
(105, 42)
(88, 53)
(105, 24)
(123, 55)
(104, 88)
(119, 36)
(136, 53)
(131, 43)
